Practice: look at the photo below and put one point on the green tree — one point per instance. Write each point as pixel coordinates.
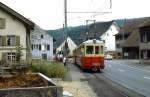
(19, 53)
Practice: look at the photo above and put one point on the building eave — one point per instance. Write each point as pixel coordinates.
(29, 24)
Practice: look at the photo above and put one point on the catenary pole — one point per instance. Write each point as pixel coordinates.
(65, 29)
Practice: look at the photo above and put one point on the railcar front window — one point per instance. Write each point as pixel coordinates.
(102, 49)
(97, 50)
(89, 50)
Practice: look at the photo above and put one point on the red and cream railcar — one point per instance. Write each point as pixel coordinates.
(90, 55)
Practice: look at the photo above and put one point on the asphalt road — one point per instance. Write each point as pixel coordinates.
(131, 77)
(101, 83)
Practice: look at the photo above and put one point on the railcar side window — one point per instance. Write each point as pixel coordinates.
(82, 50)
(97, 50)
(89, 50)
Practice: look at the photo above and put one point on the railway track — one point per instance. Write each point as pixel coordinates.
(106, 88)
(103, 86)
(121, 93)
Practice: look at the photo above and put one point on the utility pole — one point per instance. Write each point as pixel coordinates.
(65, 27)
(65, 13)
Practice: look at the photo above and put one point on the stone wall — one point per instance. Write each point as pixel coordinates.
(32, 92)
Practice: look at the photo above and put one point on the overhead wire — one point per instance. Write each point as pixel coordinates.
(96, 12)
(110, 6)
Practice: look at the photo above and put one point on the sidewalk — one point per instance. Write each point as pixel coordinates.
(74, 73)
(75, 85)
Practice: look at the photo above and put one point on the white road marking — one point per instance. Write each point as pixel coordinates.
(147, 77)
(133, 67)
(121, 70)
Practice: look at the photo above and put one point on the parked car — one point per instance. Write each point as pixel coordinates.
(108, 57)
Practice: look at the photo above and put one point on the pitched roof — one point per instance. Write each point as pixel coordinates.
(16, 15)
(58, 42)
(38, 29)
(99, 28)
(132, 24)
(146, 23)
(132, 40)
(78, 38)
(132, 27)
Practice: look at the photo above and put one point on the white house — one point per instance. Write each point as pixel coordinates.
(14, 31)
(105, 31)
(71, 46)
(42, 44)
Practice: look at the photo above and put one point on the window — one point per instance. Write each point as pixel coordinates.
(42, 36)
(89, 50)
(11, 56)
(107, 34)
(48, 47)
(148, 36)
(144, 54)
(2, 23)
(39, 47)
(97, 50)
(143, 37)
(43, 47)
(44, 56)
(82, 50)
(32, 47)
(148, 54)
(11, 40)
(118, 45)
(102, 50)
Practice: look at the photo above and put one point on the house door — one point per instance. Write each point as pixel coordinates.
(44, 56)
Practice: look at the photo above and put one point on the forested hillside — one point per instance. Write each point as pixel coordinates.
(73, 32)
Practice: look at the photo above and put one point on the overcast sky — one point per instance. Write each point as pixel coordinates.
(49, 14)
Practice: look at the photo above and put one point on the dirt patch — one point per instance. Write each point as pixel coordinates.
(25, 80)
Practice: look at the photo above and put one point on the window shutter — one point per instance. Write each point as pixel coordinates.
(4, 56)
(17, 40)
(39, 47)
(2, 23)
(4, 42)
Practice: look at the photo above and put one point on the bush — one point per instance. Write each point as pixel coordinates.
(50, 69)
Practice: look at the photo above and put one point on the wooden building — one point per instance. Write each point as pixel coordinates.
(128, 39)
(145, 42)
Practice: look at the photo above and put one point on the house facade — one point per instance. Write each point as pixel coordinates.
(71, 46)
(109, 37)
(42, 44)
(145, 42)
(127, 40)
(14, 31)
